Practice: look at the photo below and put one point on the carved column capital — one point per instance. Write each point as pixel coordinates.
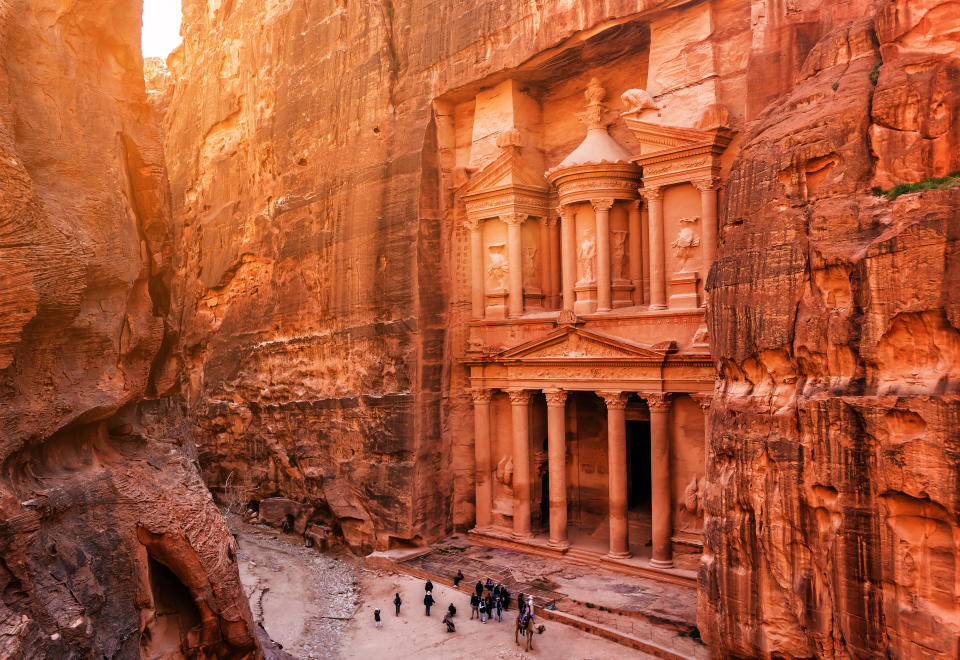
(551, 220)
(555, 398)
(602, 204)
(481, 395)
(565, 211)
(614, 400)
(473, 224)
(707, 183)
(660, 401)
(633, 205)
(705, 401)
(519, 397)
(651, 193)
(513, 218)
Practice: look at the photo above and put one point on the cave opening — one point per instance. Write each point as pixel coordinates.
(175, 614)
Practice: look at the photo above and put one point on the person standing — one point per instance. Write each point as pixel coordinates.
(456, 580)
(376, 620)
(479, 589)
(499, 606)
(474, 604)
(483, 611)
(428, 587)
(428, 601)
(521, 603)
(397, 602)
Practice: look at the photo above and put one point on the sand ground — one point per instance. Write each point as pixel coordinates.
(320, 606)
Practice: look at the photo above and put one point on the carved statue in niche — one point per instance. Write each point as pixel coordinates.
(529, 264)
(635, 100)
(586, 258)
(498, 268)
(618, 253)
(685, 242)
(505, 471)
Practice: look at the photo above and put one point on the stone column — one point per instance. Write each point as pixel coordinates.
(553, 230)
(633, 246)
(477, 275)
(660, 490)
(708, 217)
(658, 260)
(515, 260)
(520, 407)
(617, 472)
(481, 450)
(569, 249)
(546, 284)
(557, 466)
(705, 401)
(601, 208)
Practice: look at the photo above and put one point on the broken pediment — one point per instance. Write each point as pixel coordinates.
(505, 185)
(568, 342)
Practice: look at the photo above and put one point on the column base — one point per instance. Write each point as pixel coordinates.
(521, 538)
(661, 563)
(619, 555)
(559, 545)
(658, 306)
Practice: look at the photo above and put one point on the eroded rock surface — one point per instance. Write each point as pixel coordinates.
(110, 545)
(832, 503)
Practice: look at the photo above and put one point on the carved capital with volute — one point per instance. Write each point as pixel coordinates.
(659, 401)
(614, 400)
(481, 395)
(519, 397)
(565, 211)
(473, 224)
(705, 401)
(707, 183)
(602, 204)
(555, 398)
(651, 193)
(633, 205)
(513, 218)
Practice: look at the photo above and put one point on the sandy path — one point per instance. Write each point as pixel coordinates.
(413, 635)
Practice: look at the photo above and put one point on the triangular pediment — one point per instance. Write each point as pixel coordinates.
(577, 343)
(660, 136)
(508, 170)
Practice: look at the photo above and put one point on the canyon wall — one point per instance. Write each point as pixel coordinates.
(312, 179)
(832, 525)
(110, 545)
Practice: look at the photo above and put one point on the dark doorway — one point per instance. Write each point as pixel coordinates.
(545, 500)
(638, 464)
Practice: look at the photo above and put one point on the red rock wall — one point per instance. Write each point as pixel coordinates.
(320, 330)
(832, 507)
(99, 488)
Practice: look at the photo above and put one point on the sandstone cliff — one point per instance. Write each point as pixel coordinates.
(322, 312)
(110, 546)
(832, 507)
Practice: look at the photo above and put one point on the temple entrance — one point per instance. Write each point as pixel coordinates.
(638, 465)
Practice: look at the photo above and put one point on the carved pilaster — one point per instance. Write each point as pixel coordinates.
(614, 400)
(555, 398)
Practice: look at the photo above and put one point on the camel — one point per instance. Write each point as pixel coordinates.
(525, 627)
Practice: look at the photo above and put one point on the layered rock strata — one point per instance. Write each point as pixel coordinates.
(110, 545)
(832, 519)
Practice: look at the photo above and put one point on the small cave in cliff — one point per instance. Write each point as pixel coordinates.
(174, 615)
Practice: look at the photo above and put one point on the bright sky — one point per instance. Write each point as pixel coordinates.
(161, 27)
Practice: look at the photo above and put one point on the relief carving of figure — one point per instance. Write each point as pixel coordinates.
(498, 268)
(635, 100)
(529, 264)
(685, 242)
(618, 253)
(505, 471)
(586, 258)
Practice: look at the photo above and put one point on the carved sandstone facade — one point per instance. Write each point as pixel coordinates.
(580, 321)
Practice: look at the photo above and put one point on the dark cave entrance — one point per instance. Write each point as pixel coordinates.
(175, 614)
